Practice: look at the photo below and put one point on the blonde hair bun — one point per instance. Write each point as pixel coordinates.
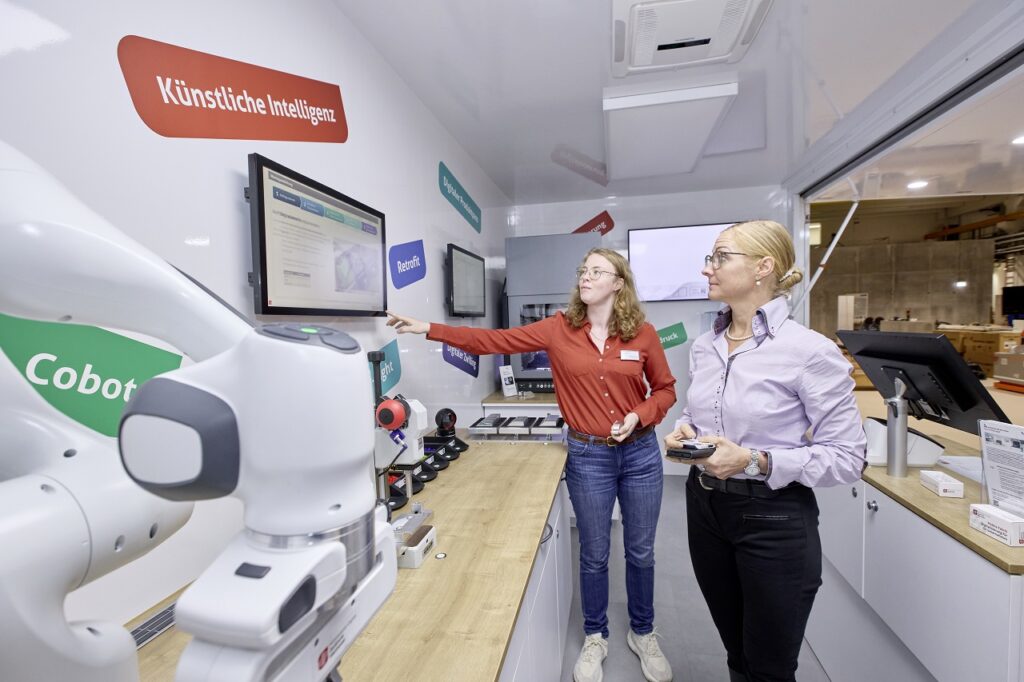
(791, 278)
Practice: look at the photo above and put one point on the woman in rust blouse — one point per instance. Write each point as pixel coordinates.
(604, 356)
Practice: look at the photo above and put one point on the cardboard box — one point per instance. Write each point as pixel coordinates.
(906, 326)
(941, 483)
(1003, 526)
(956, 337)
(981, 347)
(1009, 367)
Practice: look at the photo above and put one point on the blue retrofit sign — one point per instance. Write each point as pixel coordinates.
(407, 263)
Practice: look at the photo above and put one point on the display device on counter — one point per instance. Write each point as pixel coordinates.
(919, 375)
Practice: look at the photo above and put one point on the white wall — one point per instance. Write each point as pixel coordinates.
(687, 208)
(67, 107)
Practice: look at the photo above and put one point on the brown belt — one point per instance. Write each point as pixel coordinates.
(608, 440)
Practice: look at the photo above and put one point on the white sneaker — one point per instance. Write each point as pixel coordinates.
(588, 665)
(652, 662)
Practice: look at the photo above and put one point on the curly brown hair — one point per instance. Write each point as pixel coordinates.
(627, 313)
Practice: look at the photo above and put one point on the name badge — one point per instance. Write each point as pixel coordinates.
(629, 355)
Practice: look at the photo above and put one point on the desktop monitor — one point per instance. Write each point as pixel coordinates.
(315, 251)
(940, 386)
(465, 283)
(1013, 300)
(532, 370)
(666, 261)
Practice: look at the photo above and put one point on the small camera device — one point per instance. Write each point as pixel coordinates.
(691, 449)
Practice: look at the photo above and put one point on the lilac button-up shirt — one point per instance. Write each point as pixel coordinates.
(771, 390)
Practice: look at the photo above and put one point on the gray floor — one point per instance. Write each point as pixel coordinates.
(688, 636)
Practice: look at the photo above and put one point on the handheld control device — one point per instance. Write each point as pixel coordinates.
(691, 449)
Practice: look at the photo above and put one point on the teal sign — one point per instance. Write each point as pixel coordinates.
(390, 368)
(85, 372)
(672, 336)
(457, 196)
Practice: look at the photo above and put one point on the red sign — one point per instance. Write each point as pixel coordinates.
(602, 223)
(184, 93)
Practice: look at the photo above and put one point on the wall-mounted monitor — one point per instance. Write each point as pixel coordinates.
(667, 261)
(464, 283)
(315, 250)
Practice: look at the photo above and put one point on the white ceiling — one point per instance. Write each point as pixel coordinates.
(519, 85)
(967, 151)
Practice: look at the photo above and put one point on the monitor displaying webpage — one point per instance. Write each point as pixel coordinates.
(667, 261)
(467, 283)
(321, 252)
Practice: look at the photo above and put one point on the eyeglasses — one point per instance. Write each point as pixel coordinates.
(716, 259)
(593, 273)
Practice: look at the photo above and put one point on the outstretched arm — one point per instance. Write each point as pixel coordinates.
(523, 339)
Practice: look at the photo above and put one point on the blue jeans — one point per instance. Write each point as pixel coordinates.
(596, 474)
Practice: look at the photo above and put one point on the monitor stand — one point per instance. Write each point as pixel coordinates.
(896, 432)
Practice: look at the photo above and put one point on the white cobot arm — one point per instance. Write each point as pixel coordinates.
(280, 423)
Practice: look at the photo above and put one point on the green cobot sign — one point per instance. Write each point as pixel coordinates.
(85, 372)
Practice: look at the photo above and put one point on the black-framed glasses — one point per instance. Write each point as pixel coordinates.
(716, 259)
(594, 273)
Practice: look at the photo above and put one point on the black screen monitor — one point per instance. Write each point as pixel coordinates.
(465, 283)
(940, 385)
(1013, 300)
(315, 251)
(667, 261)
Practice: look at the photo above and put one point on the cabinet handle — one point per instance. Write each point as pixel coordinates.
(853, 491)
(873, 506)
(548, 531)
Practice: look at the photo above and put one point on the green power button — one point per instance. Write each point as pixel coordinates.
(310, 330)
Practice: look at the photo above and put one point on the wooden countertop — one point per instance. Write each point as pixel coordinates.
(948, 514)
(449, 619)
(498, 397)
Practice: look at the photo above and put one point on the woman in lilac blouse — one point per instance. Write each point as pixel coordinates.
(776, 399)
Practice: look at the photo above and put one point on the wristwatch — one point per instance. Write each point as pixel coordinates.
(754, 467)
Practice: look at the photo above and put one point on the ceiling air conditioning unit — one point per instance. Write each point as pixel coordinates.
(653, 35)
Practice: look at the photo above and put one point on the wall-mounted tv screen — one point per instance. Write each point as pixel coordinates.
(667, 261)
(315, 251)
(464, 277)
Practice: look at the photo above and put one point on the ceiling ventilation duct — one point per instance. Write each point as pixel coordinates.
(653, 35)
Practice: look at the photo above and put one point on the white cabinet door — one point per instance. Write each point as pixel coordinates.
(544, 636)
(954, 610)
(538, 639)
(564, 567)
(514, 656)
(841, 525)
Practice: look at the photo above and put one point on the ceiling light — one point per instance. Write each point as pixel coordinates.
(917, 184)
(1018, 140)
(960, 284)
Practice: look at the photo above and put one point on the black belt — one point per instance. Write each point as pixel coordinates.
(741, 486)
(608, 440)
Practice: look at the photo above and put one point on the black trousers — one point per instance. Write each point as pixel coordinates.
(758, 564)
